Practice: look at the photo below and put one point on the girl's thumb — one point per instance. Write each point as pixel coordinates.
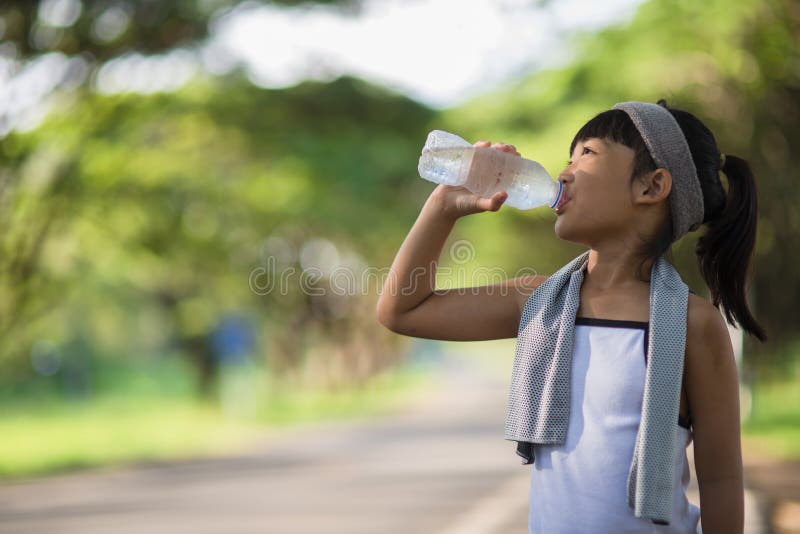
(496, 200)
(492, 203)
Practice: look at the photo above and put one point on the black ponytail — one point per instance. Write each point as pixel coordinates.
(725, 250)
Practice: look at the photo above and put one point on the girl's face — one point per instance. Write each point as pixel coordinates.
(597, 184)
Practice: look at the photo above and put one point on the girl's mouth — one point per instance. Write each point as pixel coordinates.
(560, 207)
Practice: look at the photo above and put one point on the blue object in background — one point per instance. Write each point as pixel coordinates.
(232, 340)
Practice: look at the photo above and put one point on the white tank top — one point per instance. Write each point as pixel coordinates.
(581, 486)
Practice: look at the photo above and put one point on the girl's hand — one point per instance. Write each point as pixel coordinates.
(455, 201)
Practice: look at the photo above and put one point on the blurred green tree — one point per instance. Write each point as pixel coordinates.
(42, 184)
(165, 205)
(104, 29)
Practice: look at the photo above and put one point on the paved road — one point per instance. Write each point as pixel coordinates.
(440, 466)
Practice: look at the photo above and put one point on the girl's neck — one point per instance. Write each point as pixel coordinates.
(615, 270)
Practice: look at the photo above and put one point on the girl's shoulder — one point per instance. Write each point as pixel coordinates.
(700, 311)
(707, 335)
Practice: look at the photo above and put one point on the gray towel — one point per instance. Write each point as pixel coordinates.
(539, 397)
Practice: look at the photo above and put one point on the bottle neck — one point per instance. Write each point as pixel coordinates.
(559, 192)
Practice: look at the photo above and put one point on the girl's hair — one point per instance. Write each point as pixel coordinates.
(724, 251)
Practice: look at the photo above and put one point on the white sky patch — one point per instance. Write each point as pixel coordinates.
(147, 74)
(438, 51)
(23, 90)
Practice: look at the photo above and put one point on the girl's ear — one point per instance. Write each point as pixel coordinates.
(654, 186)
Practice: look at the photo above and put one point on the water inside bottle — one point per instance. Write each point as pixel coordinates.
(527, 183)
(442, 165)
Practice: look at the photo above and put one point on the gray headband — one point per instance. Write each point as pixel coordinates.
(669, 149)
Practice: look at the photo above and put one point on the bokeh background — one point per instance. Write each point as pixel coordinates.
(181, 182)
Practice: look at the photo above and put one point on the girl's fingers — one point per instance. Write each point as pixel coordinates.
(484, 204)
(505, 147)
(494, 203)
(511, 149)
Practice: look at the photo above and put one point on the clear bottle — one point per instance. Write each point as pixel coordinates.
(448, 159)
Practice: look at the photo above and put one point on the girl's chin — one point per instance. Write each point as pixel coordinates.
(564, 232)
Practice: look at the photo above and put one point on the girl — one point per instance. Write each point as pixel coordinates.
(639, 177)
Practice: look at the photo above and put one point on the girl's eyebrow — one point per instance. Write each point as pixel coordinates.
(596, 140)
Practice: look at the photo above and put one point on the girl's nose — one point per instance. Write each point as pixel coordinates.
(565, 177)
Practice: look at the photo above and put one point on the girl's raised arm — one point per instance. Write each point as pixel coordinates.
(408, 303)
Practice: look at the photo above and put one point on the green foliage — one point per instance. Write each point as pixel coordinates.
(157, 209)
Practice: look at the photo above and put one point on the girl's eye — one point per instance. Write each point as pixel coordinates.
(569, 162)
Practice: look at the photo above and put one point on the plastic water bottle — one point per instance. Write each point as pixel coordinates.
(448, 159)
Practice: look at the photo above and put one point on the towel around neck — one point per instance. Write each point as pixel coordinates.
(539, 396)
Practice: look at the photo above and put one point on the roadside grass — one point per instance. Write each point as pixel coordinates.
(139, 420)
(774, 423)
